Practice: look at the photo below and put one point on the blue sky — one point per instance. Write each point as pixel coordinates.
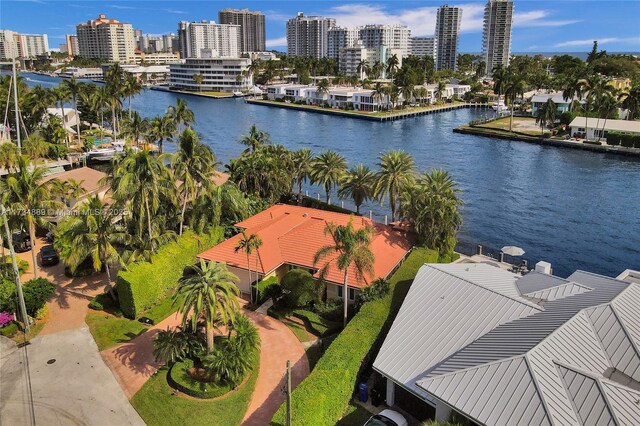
(539, 26)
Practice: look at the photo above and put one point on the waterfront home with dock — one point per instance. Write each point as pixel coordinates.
(539, 99)
(597, 129)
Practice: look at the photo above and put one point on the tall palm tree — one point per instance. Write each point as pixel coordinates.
(93, 233)
(322, 88)
(8, 155)
(350, 247)
(500, 77)
(441, 88)
(630, 100)
(74, 88)
(35, 146)
(132, 86)
(161, 128)
(607, 107)
(61, 95)
(302, 159)
(181, 114)
(362, 67)
(358, 185)
(194, 165)
(546, 115)
(392, 65)
(247, 244)
(26, 191)
(135, 127)
(198, 79)
(207, 291)
(327, 169)
(515, 86)
(397, 171)
(431, 207)
(588, 88)
(255, 139)
(379, 92)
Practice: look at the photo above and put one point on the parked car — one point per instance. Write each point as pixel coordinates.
(21, 241)
(48, 256)
(387, 418)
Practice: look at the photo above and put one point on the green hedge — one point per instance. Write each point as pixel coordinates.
(143, 284)
(266, 287)
(320, 326)
(323, 396)
(628, 140)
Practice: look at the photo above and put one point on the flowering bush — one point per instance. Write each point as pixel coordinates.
(5, 318)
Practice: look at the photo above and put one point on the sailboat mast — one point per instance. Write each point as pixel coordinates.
(15, 100)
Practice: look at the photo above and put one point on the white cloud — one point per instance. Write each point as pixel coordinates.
(276, 42)
(538, 18)
(601, 41)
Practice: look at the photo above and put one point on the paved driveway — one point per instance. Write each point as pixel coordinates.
(76, 389)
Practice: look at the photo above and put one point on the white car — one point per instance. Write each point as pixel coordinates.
(387, 418)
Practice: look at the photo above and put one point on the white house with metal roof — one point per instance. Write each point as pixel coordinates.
(502, 349)
(562, 104)
(598, 128)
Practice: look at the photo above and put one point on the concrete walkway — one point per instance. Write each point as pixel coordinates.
(69, 382)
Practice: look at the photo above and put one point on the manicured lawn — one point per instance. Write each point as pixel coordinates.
(108, 330)
(525, 125)
(298, 330)
(159, 407)
(355, 415)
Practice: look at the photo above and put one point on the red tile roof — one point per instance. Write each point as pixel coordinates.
(292, 235)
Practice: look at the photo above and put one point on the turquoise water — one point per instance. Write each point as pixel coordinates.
(577, 210)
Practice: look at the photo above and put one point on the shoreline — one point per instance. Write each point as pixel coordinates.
(200, 94)
(603, 149)
(391, 116)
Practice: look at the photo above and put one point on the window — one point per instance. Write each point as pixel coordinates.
(352, 294)
(340, 292)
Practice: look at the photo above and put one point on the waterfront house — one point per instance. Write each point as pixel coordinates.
(292, 235)
(504, 349)
(539, 99)
(599, 128)
(91, 181)
(69, 119)
(81, 73)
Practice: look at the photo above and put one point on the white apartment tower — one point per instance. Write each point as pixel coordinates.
(308, 35)
(496, 40)
(16, 45)
(448, 22)
(339, 38)
(106, 38)
(206, 39)
(252, 28)
(394, 37)
(423, 46)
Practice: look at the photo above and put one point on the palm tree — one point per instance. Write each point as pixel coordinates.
(362, 67)
(61, 95)
(74, 88)
(132, 86)
(358, 184)
(207, 291)
(327, 169)
(302, 159)
(181, 114)
(161, 128)
(26, 191)
(135, 126)
(441, 88)
(194, 165)
(546, 115)
(322, 88)
(588, 88)
(431, 207)
(198, 79)
(392, 65)
(379, 92)
(174, 345)
(8, 155)
(630, 100)
(248, 244)
(93, 233)
(397, 171)
(500, 77)
(35, 146)
(255, 139)
(350, 247)
(515, 87)
(607, 107)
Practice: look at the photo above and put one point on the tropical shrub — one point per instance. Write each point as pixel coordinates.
(9, 330)
(298, 288)
(174, 345)
(36, 293)
(567, 117)
(331, 309)
(268, 288)
(376, 290)
(42, 313)
(143, 284)
(7, 295)
(180, 378)
(6, 266)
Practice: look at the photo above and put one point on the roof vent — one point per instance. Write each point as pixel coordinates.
(543, 267)
(305, 215)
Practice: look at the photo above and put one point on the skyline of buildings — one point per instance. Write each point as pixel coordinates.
(208, 39)
(252, 28)
(16, 45)
(496, 37)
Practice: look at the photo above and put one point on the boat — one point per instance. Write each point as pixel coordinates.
(499, 106)
(238, 94)
(107, 153)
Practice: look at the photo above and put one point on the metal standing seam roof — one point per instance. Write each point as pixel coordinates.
(591, 331)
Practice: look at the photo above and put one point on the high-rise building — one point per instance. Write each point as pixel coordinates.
(496, 39)
(338, 38)
(70, 45)
(308, 35)
(352, 57)
(252, 28)
(106, 38)
(423, 46)
(394, 37)
(448, 22)
(16, 45)
(200, 39)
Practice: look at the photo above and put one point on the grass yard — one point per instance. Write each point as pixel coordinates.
(157, 405)
(110, 330)
(524, 125)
